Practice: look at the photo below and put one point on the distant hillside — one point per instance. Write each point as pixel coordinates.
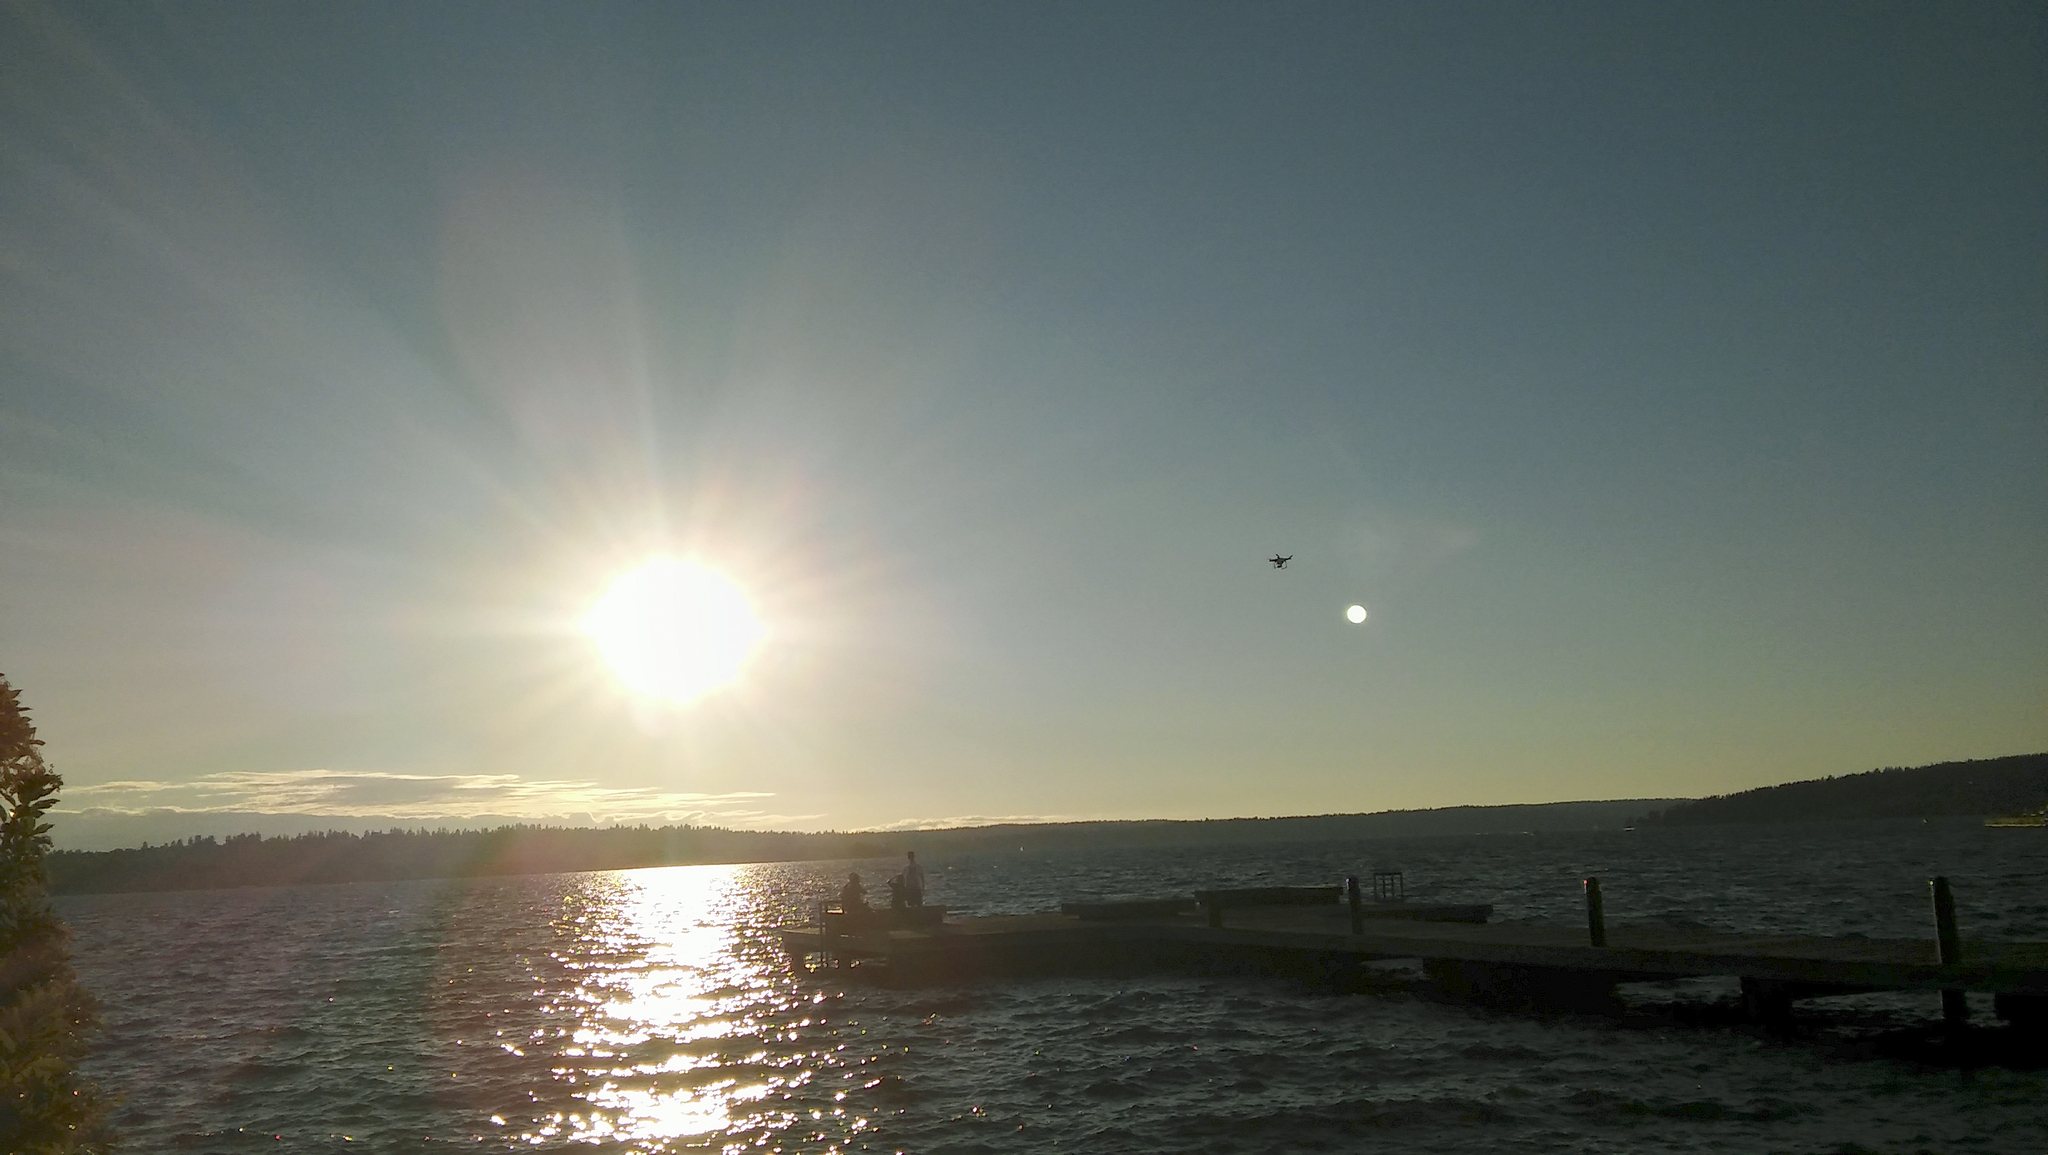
(207, 862)
(1543, 816)
(1979, 788)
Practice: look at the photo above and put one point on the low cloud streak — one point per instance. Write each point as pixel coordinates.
(455, 799)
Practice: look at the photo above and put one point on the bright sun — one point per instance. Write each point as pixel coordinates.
(674, 630)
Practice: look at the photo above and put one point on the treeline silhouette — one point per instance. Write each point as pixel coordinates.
(1147, 833)
(1979, 788)
(205, 862)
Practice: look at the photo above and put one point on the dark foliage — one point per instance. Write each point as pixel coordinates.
(1980, 788)
(45, 1016)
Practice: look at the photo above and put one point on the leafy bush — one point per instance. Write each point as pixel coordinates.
(45, 1016)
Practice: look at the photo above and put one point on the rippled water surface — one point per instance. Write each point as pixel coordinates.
(650, 1010)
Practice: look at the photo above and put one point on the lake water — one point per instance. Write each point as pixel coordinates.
(647, 1011)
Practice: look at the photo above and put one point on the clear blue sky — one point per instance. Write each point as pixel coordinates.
(1670, 381)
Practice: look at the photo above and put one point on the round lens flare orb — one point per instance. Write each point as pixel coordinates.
(1356, 614)
(674, 630)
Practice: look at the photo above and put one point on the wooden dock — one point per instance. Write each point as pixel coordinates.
(1456, 946)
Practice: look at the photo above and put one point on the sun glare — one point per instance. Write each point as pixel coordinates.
(674, 630)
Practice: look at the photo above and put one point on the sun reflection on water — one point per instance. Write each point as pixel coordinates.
(685, 1035)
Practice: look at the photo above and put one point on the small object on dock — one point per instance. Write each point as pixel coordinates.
(1955, 1009)
(1596, 915)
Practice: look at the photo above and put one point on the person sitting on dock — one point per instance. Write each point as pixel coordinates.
(853, 896)
(897, 901)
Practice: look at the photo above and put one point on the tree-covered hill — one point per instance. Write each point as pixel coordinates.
(1979, 788)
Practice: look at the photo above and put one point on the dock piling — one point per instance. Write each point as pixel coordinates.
(1357, 901)
(1596, 918)
(1955, 1010)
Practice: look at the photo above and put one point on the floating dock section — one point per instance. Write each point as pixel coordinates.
(1316, 932)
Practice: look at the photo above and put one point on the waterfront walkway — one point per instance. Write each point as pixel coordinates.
(1482, 959)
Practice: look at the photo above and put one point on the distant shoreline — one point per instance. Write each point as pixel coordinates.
(1968, 790)
(206, 862)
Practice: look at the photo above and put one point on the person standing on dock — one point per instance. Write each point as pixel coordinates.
(913, 881)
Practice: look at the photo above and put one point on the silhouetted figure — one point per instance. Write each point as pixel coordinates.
(853, 896)
(897, 901)
(913, 881)
(1280, 562)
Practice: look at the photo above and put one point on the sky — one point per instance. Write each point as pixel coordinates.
(1668, 381)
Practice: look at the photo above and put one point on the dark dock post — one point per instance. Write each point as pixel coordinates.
(1213, 903)
(1596, 918)
(1955, 1010)
(1357, 904)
